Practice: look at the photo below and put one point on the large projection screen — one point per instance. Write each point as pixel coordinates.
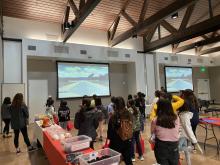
(178, 78)
(76, 79)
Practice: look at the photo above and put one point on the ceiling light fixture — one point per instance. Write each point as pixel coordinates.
(66, 25)
(174, 16)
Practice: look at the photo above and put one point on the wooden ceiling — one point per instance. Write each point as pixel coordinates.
(106, 12)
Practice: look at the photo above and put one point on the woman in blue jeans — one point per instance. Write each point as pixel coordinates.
(136, 129)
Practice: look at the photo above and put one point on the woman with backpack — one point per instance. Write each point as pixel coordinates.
(136, 130)
(120, 130)
(63, 114)
(165, 128)
(87, 120)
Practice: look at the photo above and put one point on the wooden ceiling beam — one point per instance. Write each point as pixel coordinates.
(187, 17)
(112, 34)
(143, 10)
(74, 8)
(81, 4)
(128, 18)
(197, 44)
(193, 31)
(209, 51)
(150, 34)
(84, 12)
(168, 26)
(67, 13)
(153, 20)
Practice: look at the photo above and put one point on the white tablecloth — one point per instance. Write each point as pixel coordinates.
(38, 132)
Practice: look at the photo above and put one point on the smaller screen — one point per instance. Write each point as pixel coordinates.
(178, 78)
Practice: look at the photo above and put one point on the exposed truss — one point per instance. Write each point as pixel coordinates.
(148, 27)
(85, 8)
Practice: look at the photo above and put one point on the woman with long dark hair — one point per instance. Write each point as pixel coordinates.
(19, 121)
(136, 129)
(6, 116)
(86, 120)
(117, 141)
(165, 127)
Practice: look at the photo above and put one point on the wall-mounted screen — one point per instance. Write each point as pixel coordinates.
(178, 78)
(76, 79)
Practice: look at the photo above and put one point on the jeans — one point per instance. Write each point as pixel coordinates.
(166, 152)
(25, 136)
(136, 140)
(183, 146)
(63, 124)
(6, 128)
(142, 120)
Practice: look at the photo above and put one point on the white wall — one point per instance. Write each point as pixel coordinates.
(22, 28)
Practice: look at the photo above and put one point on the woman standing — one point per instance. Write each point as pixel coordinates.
(19, 121)
(6, 116)
(136, 130)
(86, 120)
(165, 127)
(115, 130)
(63, 114)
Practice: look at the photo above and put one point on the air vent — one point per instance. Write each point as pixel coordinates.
(112, 53)
(61, 49)
(84, 52)
(166, 58)
(31, 47)
(127, 55)
(174, 58)
(200, 60)
(189, 60)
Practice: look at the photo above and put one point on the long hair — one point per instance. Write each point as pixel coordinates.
(50, 102)
(17, 100)
(98, 101)
(86, 102)
(7, 100)
(191, 98)
(63, 103)
(165, 115)
(131, 104)
(119, 104)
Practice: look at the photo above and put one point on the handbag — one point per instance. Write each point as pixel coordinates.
(142, 145)
(106, 145)
(69, 126)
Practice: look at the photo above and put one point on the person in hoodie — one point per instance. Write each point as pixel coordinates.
(63, 114)
(186, 132)
(87, 121)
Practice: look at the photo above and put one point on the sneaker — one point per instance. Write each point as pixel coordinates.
(18, 150)
(133, 159)
(4, 136)
(8, 136)
(141, 158)
(31, 148)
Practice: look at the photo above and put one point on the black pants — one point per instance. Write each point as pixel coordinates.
(166, 153)
(91, 145)
(6, 128)
(25, 136)
(136, 140)
(123, 147)
(194, 126)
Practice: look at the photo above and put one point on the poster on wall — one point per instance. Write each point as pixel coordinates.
(178, 78)
(76, 79)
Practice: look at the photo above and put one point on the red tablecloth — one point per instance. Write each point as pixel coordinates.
(54, 150)
(211, 120)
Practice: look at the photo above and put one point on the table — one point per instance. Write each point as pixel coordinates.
(214, 111)
(54, 150)
(210, 121)
(38, 132)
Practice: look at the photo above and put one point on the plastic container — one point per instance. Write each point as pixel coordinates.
(111, 157)
(76, 143)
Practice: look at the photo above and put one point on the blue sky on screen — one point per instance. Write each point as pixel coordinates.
(81, 70)
(178, 72)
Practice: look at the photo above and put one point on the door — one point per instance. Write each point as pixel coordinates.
(38, 94)
(203, 89)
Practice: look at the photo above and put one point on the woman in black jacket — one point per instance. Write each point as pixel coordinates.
(63, 114)
(19, 121)
(116, 142)
(87, 121)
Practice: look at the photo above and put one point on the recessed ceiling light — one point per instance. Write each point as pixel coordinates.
(174, 16)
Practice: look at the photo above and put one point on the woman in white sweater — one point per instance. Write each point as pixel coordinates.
(186, 132)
